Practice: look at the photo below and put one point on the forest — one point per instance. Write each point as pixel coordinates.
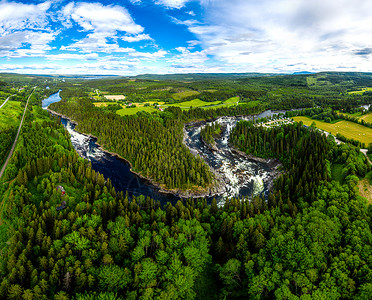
(309, 239)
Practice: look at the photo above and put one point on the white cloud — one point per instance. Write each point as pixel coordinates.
(172, 3)
(64, 56)
(96, 43)
(187, 59)
(271, 35)
(136, 38)
(25, 43)
(149, 55)
(105, 24)
(107, 20)
(17, 16)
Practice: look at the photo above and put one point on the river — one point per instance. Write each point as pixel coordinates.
(242, 177)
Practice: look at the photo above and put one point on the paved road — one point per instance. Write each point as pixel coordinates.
(16, 139)
(6, 101)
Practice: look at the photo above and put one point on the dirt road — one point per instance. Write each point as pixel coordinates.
(6, 101)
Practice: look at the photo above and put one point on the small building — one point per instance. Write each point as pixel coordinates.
(60, 187)
(63, 206)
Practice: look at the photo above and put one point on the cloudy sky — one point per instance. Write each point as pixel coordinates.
(131, 37)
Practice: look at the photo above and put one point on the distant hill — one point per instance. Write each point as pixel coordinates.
(200, 76)
(303, 73)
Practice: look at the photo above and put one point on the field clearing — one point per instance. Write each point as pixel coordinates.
(310, 80)
(361, 92)
(115, 97)
(99, 104)
(367, 118)
(184, 94)
(10, 114)
(183, 105)
(194, 103)
(137, 104)
(355, 115)
(365, 189)
(348, 129)
(134, 110)
(232, 100)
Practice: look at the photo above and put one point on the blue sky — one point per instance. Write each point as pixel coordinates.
(130, 37)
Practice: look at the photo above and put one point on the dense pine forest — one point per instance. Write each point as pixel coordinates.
(209, 132)
(66, 233)
(153, 144)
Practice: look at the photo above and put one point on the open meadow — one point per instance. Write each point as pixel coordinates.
(367, 118)
(10, 114)
(348, 129)
(361, 91)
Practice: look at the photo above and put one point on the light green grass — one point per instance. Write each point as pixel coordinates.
(184, 94)
(195, 103)
(348, 129)
(10, 114)
(311, 80)
(367, 118)
(232, 100)
(132, 111)
(355, 115)
(360, 92)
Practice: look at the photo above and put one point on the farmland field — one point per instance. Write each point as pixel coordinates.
(115, 97)
(348, 129)
(184, 94)
(10, 114)
(133, 110)
(194, 103)
(367, 118)
(360, 92)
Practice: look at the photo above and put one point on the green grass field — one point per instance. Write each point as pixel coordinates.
(348, 129)
(194, 103)
(10, 114)
(360, 92)
(134, 110)
(367, 118)
(184, 94)
(183, 105)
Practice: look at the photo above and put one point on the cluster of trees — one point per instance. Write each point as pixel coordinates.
(344, 139)
(306, 153)
(105, 245)
(6, 140)
(209, 132)
(198, 113)
(152, 143)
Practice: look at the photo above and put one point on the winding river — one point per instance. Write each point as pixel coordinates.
(241, 176)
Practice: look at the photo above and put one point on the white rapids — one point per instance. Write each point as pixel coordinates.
(83, 143)
(241, 176)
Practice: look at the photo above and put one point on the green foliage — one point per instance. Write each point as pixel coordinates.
(153, 145)
(311, 239)
(209, 132)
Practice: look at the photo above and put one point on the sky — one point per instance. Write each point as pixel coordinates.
(131, 37)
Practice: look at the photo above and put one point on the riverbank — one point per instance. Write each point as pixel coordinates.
(210, 191)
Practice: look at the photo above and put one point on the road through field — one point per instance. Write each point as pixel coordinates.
(6, 101)
(16, 139)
